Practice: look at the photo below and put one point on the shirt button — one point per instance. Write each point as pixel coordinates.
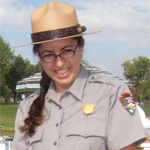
(55, 143)
(85, 133)
(57, 124)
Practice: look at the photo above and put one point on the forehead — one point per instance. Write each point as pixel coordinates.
(58, 44)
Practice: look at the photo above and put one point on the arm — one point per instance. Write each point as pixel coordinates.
(123, 124)
(130, 147)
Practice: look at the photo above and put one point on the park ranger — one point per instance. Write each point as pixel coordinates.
(75, 109)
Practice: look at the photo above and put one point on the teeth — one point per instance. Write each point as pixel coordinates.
(62, 72)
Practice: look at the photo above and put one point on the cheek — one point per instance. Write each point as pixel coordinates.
(76, 63)
(47, 67)
(48, 70)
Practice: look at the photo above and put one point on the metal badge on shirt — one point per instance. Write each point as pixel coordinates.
(88, 108)
(128, 102)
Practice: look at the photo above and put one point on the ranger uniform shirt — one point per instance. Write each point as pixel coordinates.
(70, 125)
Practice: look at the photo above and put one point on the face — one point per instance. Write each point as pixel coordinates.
(62, 71)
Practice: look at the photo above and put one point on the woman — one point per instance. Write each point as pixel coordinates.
(75, 109)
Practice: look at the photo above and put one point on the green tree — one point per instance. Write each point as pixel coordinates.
(12, 69)
(19, 69)
(6, 57)
(137, 71)
(16, 72)
(32, 69)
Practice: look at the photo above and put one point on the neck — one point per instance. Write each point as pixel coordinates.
(59, 90)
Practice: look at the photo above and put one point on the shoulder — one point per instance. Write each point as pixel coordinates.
(106, 79)
(99, 75)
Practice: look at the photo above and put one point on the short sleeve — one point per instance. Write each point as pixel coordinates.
(124, 128)
(20, 141)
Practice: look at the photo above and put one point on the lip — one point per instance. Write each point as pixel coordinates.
(62, 73)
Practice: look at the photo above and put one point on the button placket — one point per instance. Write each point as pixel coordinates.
(56, 116)
(57, 124)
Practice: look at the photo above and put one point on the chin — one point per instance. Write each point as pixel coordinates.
(65, 82)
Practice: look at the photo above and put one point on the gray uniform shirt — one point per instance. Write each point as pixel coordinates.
(66, 127)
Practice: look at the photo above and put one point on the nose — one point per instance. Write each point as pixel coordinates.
(59, 62)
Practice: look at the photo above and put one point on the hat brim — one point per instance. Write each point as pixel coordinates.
(77, 35)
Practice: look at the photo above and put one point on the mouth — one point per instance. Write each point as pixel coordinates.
(62, 73)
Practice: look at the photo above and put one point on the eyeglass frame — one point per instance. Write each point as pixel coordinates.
(55, 56)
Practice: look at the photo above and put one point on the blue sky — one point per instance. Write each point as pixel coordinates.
(125, 25)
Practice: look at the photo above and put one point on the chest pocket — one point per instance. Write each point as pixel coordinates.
(87, 135)
(35, 140)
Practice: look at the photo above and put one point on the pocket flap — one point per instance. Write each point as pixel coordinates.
(87, 129)
(37, 136)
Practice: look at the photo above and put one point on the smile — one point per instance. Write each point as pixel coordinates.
(62, 72)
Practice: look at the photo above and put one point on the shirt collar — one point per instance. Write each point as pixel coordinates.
(77, 87)
(51, 92)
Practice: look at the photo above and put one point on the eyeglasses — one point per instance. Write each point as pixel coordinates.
(66, 54)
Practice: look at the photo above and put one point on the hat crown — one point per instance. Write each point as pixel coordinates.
(55, 21)
(52, 16)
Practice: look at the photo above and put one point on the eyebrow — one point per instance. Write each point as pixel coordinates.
(49, 51)
(66, 47)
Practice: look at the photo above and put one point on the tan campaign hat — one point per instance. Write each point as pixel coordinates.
(54, 21)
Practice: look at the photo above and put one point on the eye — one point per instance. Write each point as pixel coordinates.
(67, 51)
(48, 56)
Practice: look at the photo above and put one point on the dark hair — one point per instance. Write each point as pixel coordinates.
(35, 114)
(80, 41)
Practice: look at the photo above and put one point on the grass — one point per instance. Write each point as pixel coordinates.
(7, 118)
(8, 113)
(147, 109)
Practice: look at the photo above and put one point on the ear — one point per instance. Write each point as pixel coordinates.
(41, 61)
(81, 50)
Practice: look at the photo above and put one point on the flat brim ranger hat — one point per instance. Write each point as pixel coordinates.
(55, 21)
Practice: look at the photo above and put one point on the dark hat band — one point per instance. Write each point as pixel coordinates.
(55, 34)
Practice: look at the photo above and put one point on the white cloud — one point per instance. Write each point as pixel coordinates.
(121, 21)
(125, 25)
(14, 15)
